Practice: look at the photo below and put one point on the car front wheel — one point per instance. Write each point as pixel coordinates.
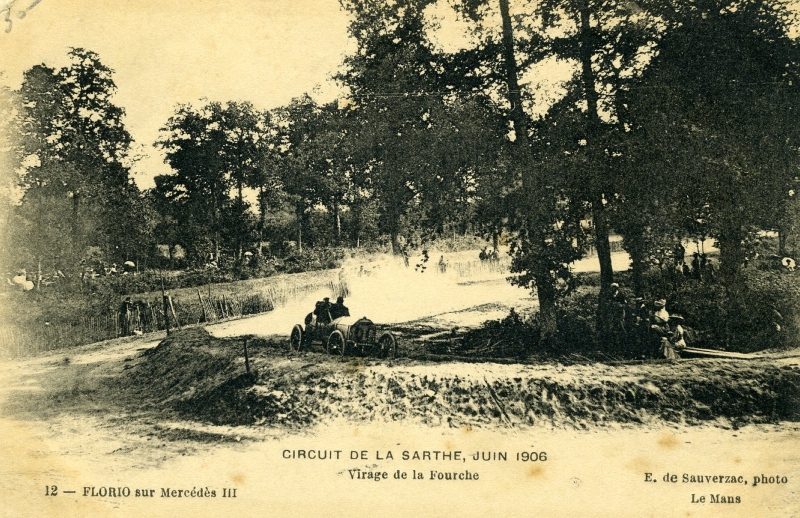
(336, 343)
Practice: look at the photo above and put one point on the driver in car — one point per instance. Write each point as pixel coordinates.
(322, 311)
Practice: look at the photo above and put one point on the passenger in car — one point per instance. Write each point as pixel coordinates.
(339, 309)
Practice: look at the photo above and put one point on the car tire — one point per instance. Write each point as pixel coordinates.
(336, 344)
(296, 339)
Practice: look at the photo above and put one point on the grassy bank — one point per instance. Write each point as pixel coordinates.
(204, 378)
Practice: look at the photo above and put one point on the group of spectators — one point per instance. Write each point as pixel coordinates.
(488, 254)
(89, 271)
(20, 280)
(648, 328)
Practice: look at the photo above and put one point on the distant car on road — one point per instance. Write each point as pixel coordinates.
(343, 335)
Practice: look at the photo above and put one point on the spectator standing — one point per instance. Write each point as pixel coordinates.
(124, 317)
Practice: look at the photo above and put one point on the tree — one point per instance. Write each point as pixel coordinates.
(427, 92)
(10, 163)
(265, 177)
(721, 128)
(537, 199)
(75, 153)
(245, 135)
(298, 126)
(395, 81)
(193, 140)
(326, 155)
(462, 146)
(166, 217)
(608, 41)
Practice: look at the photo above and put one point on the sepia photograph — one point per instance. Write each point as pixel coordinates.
(456, 258)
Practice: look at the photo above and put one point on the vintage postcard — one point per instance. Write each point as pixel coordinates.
(399, 258)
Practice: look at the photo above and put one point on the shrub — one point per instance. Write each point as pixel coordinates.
(762, 313)
(577, 320)
(311, 259)
(512, 336)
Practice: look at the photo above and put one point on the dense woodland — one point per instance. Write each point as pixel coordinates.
(679, 121)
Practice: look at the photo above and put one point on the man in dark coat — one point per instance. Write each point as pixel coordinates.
(124, 317)
(339, 309)
(322, 311)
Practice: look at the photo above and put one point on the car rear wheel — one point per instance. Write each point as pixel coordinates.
(387, 345)
(336, 343)
(296, 339)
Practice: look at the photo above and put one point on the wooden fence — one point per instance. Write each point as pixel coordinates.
(147, 316)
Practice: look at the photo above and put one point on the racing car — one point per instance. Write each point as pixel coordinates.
(344, 335)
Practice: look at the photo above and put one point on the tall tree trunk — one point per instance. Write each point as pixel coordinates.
(600, 219)
(262, 218)
(393, 225)
(215, 222)
(512, 79)
(731, 255)
(239, 240)
(731, 252)
(337, 222)
(357, 227)
(545, 289)
(546, 293)
(300, 214)
(76, 204)
(636, 248)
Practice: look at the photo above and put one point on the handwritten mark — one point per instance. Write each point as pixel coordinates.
(6, 10)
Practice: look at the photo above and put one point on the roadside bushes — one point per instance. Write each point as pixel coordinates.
(458, 243)
(577, 320)
(312, 259)
(518, 336)
(762, 312)
(151, 280)
(512, 336)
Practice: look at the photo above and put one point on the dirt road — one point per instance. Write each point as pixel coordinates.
(80, 421)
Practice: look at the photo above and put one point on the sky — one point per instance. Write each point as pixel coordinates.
(166, 52)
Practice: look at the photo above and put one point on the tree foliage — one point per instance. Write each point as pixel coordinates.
(713, 130)
(74, 158)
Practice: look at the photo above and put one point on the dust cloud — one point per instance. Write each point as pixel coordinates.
(388, 292)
